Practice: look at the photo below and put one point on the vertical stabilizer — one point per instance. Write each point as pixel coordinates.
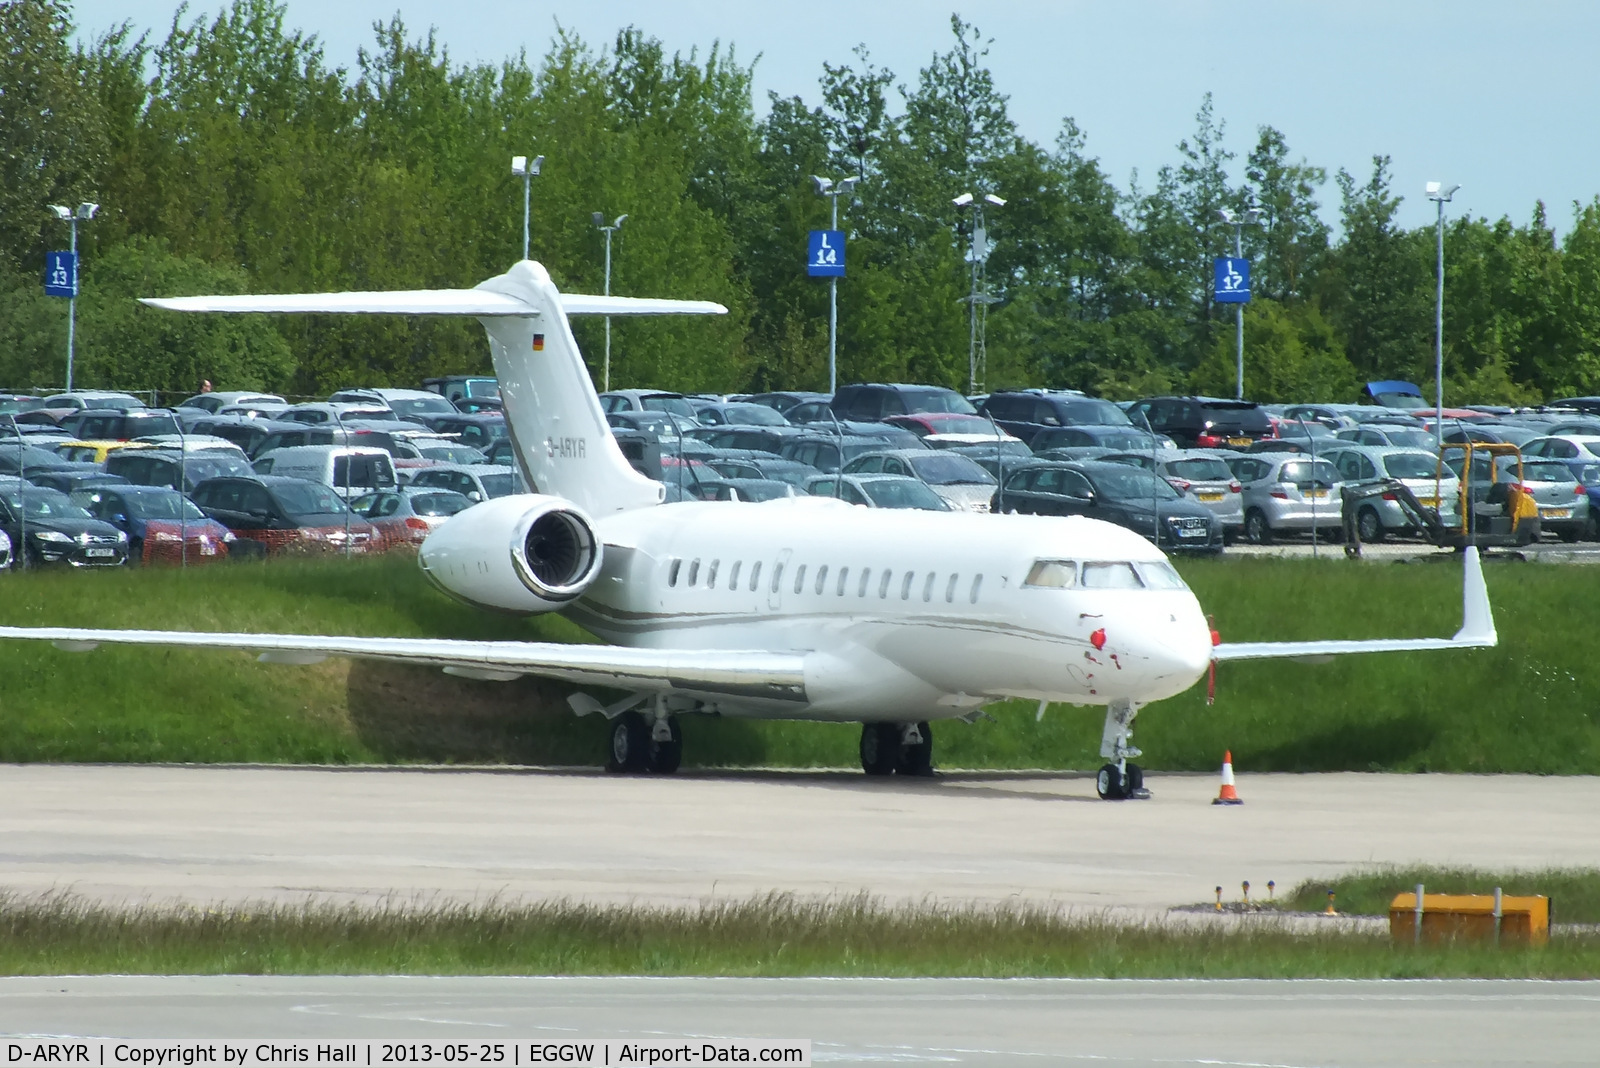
(552, 412)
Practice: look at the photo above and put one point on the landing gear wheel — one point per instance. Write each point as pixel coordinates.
(630, 744)
(917, 759)
(1108, 784)
(1368, 526)
(1133, 786)
(1257, 531)
(665, 756)
(880, 748)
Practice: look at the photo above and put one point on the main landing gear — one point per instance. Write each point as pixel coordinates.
(645, 745)
(897, 748)
(1120, 780)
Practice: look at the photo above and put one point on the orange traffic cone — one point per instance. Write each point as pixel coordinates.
(1228, 795)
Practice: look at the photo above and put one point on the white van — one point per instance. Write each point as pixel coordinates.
(350, 470)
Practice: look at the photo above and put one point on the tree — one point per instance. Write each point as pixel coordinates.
(1291, 239)
(1291, 354)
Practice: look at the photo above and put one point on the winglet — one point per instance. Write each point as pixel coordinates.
(1477, 618)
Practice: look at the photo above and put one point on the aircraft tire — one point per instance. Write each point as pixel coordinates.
(880, 748)
(917, 759)
(666, 756)
(629, 752)
(1109, 785)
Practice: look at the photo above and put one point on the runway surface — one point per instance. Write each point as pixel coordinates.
(233, 834)
(866, 1021)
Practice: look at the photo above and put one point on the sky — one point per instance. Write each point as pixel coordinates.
(1498, 97)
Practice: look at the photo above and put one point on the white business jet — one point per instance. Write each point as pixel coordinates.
(800, 608)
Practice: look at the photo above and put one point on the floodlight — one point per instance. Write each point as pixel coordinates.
(1252, 215)
(519, 165)
(1225, 215)
(618, 223)
(963, 200)
(62, 213)
(1432, 188)
(534, 164)
(823, 184)
(847, 184)
(599, 220)
(86, 210)
(998, 202)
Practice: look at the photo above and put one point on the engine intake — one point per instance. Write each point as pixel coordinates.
(527, 554)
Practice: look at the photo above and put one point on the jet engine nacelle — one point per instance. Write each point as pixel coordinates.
(528, 554)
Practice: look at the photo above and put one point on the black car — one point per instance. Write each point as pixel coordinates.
(1128, 496)
(782, 400)
(27, 460)
(70, 482)
(58, 531)
(872, 401)
(1120, 438)
(479, 431)
(1025, 412)
(1204, 422)
(828, 452)
(119, 424)
(754, 438)
(285, 514)
(164, 467)
(766, 467)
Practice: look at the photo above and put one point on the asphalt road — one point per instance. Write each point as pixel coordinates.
(138, 833)
(865, 1021)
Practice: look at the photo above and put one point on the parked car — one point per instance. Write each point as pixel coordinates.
(290, 435)
(647, 400)
(1203, 477)
(826, 452)
(458, 388)
(479, 431)
(764, 467)
(941, 429)
(993, 456)
(1564, 447)
(755, 438)
(1117, 493)
(204, 405)
(70, 482)
(164, 467)
(1417, 469)
(782, 400)
(873, 401)
(24, 459)
(1562, 499)
(17, 403)
(747, 489)
(665, 426)
(1099, 436)
(318, 412)
(285, 514)
(80, 399)
(736, 413)
(1332, 416)
(161, 523)
(816, 410)
(405, 403)
(407, 516)
(477, 482)
(1204, 422)
(57, 530)
(118, 424)
(961, 482)
(1455, 433)
(76, 451)
(349, 470)
(1380, 434)
(878, 491)
(1288, 493)
(1025, 412)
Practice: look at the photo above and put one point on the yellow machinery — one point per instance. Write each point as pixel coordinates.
(1501, 515)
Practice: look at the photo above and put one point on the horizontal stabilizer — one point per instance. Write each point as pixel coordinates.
(479, 303)
(1477, 630)
(584, 304)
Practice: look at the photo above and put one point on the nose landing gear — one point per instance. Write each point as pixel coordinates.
(1120, 780)
(903, 748)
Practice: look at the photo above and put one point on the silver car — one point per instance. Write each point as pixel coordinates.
(1201, 475)
(1563, 502)
(1287, 493)
(962, 483)
(1416, 469)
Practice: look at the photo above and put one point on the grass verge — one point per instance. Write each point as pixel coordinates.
(773, 936)
(1574, 893)
(1529, 705)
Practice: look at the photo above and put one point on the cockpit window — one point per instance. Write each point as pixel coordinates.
(1161, 576)
(1053, 574)
(1117, 576)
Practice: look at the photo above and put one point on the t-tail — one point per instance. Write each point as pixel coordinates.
(552, 411)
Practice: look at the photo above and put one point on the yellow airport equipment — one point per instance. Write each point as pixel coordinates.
(1492, 917)
(93, 452)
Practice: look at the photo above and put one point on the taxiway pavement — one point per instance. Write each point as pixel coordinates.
(219, 834)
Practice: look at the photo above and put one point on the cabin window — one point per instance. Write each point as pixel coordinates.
(672, 572)
(950, 590)
(733, 575)
(800, 579)
(883, 584)
(755, 577)
(844, 576)
(866, 577)
(905, 585)
(1161, 576)
(1117, 576)
(694, 572)
(977, 584)
(1053, 575)
(777, 575)
(822, 578)
(927, 587)
(711, 575)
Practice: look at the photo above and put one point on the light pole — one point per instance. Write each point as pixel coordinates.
(600, 222)
(1440, 196)
(978, 255)
(827, 187)
(1238, 222)
(22, 499)
(85, 212)
(526, 168)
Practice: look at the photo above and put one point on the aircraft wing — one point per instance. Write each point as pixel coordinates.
(739, 673)
(479, 303)
(1477, 631)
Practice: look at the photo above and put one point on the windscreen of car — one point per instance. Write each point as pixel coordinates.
(1201, 469)
(1409, 465)
(30, 456)
(20, 404)
(1400, 400)
(483, 388)
(936, 400)
(171, 505)
(1589, 474)
(902, 493)
(1094, 413)
(454, 454)
(150, 425)
(1132, 484)
(963, 424)
(213, 465)
(947, 469)
(1304, 472)
(44, 504)
(1545, 471)
(761, 490)
(307, 498)
(499, 485)
(662, 402)
(1122, 441)
(1308, 429)
(420, 406)
(1411, 439)
(753, 415)
(438, 503)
